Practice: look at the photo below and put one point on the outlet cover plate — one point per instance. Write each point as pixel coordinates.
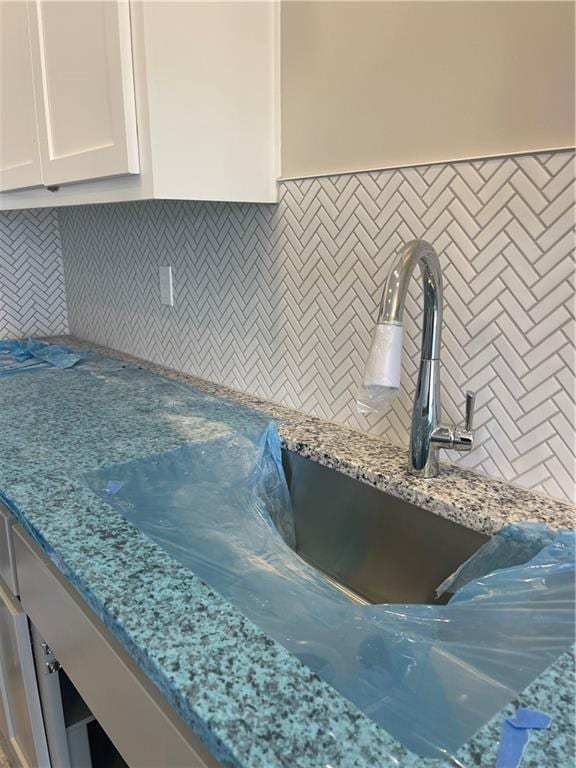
(166, 288)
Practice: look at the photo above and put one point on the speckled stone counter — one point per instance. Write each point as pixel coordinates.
(251, 702)
(474, 500)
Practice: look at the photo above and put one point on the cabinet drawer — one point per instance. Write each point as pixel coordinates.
(7, 563)
(144, 728)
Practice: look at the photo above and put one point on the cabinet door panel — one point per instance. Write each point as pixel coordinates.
(19, 155)
(84, 89)
(7, 562)
(24, 715)
(5, 722)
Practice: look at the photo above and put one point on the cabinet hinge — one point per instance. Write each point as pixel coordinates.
(51, 663)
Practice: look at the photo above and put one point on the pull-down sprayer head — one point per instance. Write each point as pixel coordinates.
(381, 382)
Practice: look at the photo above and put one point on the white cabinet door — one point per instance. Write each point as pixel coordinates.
(5, 722)
(19, 155)
(82, 60)
(22, 724)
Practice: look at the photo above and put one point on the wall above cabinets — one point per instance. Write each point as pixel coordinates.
(111, 100)
(371, 85)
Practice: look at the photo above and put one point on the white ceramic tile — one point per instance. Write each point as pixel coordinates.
(32, 299)
(280, 300)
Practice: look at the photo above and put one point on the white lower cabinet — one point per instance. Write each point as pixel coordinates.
(43, 718)
(70, 696)
(145, 730)
(21, 716)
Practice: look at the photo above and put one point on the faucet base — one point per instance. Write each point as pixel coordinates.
(429, 470)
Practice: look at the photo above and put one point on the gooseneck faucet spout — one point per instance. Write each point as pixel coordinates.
(382, 376)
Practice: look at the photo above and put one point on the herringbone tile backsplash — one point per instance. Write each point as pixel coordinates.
(32, 299)
(281, 300)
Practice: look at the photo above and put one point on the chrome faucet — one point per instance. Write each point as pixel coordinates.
(382, 375)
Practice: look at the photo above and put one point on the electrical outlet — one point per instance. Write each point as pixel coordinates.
(166, 289)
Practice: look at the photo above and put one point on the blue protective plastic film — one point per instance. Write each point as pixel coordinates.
(430, 675)
(18, 356)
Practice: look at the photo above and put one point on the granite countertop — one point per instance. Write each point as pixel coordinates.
(476, 501)
(251, 702)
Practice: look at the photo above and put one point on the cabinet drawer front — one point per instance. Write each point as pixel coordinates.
(7, 564)
(144, 728)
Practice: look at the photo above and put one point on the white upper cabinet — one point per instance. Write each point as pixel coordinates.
(82, 63)
(19, 153)
(141, 99)
(211, 94)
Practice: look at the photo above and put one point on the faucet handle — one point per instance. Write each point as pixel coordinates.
(470, 405)
(463, 437)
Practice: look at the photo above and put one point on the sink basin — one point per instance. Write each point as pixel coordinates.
(374, 547)
(431, 675)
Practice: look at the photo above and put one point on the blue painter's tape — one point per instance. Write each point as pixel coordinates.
(515, 733)
(512, 746)
(530, 718)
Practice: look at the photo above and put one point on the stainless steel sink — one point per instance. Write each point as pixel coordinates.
(375, 547)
